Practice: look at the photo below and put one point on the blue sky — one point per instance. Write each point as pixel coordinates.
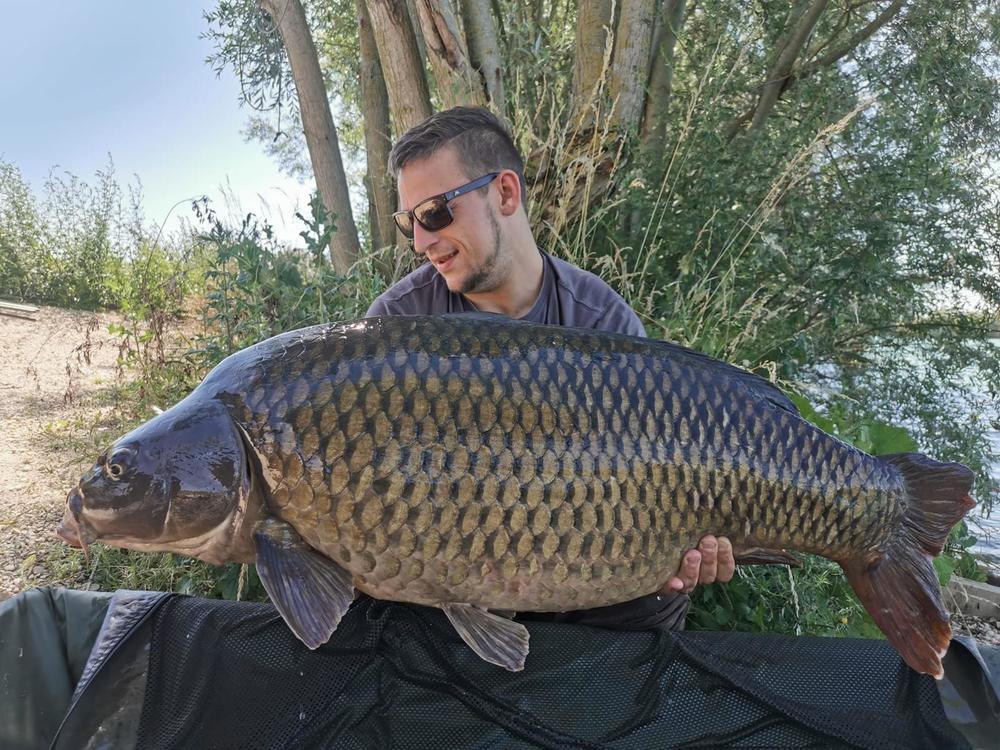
(82, 79)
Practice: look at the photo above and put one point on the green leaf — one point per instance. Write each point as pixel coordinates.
(810, 414)
(888, 439)
(945, 567)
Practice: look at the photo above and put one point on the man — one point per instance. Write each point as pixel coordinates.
(461, 184)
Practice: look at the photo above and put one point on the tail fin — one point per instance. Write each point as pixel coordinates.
(897, 583)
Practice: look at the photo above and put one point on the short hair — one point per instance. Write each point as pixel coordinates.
(483, 144)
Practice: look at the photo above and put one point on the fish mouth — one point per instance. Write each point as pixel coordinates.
(73, 529)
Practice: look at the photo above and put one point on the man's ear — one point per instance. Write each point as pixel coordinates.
(510, 191)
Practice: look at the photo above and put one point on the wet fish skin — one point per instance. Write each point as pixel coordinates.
(470, 461)
(474, 461)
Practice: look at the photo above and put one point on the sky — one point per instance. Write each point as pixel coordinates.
(82, 79)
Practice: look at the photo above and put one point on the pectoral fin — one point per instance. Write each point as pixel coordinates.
(496, 639)
(310, 591)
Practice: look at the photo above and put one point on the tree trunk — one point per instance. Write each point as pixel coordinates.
(375, 110)
(409, 98)
(630, 64)
(484, 52)
(411, 10)
(317, 122)
(457, 82)
(661, 77)
(593, 21)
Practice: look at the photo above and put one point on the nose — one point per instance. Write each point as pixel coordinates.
(423, 239)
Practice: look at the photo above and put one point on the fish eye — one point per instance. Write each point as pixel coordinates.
(119, 463)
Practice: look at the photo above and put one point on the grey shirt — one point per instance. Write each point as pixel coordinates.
(569, 296)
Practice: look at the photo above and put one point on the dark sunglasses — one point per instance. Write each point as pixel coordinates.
(434, 213)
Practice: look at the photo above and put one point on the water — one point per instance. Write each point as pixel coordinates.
(987, 530)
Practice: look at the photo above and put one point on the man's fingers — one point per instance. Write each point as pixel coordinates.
(709, 548)
(690, 568)
(673, 586)
(727, 561)
(712, 561)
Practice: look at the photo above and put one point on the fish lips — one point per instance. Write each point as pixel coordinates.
(73, 529)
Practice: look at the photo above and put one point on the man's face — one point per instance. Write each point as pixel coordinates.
(468, 252)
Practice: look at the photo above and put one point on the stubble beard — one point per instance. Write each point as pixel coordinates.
(489, 274)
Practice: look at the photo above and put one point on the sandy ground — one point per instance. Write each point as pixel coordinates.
(52, 370)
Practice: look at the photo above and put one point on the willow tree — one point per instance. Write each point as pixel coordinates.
(655, 127)
(317, 123)
(809, 185)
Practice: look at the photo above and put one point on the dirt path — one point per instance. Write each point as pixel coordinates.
(52, 371)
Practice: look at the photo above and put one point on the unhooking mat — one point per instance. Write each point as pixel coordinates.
(176, 672)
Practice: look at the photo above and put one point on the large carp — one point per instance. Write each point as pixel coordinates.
(475, 463)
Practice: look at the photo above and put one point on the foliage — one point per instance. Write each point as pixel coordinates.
(245, 40)
(65, 249)
(815, 599)
(23, 270)
(256, 289)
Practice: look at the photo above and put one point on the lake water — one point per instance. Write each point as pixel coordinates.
(987, 530)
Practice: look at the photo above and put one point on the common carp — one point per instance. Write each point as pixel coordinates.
(473, 463)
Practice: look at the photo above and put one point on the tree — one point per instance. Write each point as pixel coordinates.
(749, 158)
(375, 109)
(321, 135)
(806, 188)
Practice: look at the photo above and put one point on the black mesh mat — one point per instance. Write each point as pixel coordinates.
(231, 675)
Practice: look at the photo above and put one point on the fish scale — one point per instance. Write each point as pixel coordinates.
(614, 401)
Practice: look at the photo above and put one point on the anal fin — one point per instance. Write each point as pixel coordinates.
(765, 556)
(496, 639)
(310, 591)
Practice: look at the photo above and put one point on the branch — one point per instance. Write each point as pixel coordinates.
(780, 84)
(782, 67)
(845, 21)
(854, 42)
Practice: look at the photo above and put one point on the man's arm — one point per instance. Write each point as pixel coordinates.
(378, 308)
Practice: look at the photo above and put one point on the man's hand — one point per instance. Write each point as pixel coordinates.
(712, 561)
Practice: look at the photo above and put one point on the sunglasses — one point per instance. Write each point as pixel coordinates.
(434, 213)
